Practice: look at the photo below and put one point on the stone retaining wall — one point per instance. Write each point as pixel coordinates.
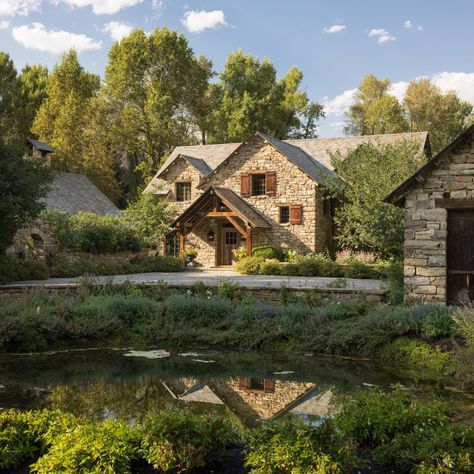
(272, 295)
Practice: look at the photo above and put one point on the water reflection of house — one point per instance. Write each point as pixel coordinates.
(253, 399)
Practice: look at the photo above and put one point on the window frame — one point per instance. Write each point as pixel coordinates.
(178, 184)
(281, 207)
(261, 186)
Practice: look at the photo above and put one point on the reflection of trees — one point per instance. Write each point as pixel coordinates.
(99, 399)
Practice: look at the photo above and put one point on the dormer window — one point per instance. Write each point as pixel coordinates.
(183, 191)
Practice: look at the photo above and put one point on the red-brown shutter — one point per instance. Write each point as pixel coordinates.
(245, 184)
(271, 183)
(296, 214)
(269, 385)
(244, 382)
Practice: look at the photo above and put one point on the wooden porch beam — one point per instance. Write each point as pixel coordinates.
(454, 203)
(182, 242)
(237, 226)
(222, 214)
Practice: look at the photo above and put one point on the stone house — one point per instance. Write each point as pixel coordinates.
(263, 191)
(439, 225)
(68, 192)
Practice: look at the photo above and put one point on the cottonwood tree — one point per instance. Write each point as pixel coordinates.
(375, 110)
(443, 115)
(151, 81)
(363, 220)
(32, 84)
(8, 98)
(251, 98)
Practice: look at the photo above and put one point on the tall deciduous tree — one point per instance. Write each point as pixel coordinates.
(32, 83)
(8, 98)
(444, 116)
(363, 220)
(63, 116)
(251, 98)
(151, 81)
(22, 184)
(375, 111)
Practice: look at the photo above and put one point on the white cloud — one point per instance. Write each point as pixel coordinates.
(36, 36)
(4, 25)
(408, 24)
(460, 82)
(334, 29)
(102, 7)
(337, 106)
(117, 30)
(419, 27)
(18, 7)
(382, 35)
(197, 21)
(398, 89)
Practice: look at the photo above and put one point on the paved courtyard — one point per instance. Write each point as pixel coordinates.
(214, 277)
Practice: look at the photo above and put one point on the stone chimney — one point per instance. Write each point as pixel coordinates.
(39, 151)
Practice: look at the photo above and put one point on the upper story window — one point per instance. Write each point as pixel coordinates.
(259, 184)
(183, 192)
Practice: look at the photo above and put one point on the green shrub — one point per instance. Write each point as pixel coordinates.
(89, 232)
(270, 267)
(287, 447)
(12, 269)
(464, 319)
(249, 265)
(407, 435)
(437, 323)
(108, 447)
(180, 441)
(229, 290)
(268, 252)
(419, 355)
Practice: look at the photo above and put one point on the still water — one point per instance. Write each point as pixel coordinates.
(247, 387)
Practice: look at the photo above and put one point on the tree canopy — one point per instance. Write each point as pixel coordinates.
(363, 220)
(424, 108)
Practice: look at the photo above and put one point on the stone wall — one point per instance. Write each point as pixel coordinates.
(425, 273)
(40, 234)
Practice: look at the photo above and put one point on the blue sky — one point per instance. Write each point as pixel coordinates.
(335, 42)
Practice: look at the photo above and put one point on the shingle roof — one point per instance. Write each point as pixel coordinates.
(204, 169)
(312, 155)
(73, 193)
(230, 199)
(41, 146)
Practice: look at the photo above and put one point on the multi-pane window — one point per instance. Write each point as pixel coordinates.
(259, 184)
(183, 192)
(231, 238)
(284, 214)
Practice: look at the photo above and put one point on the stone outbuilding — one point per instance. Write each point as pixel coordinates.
(68, 192)
(439, 225)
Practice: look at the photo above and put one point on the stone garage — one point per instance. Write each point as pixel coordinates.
(439, 225)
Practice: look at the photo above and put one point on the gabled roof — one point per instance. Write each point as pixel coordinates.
(230, 199)
(73, 193)
(313, 156)
(396, 196)
(41, 146)
(204, 169)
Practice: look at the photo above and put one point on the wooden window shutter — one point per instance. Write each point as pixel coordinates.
(296, 214)
(269, 385)
(245, 184)
(244, 382)
(271, 183)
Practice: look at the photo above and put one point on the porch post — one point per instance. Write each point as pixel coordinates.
(249, 241)
(182, 241)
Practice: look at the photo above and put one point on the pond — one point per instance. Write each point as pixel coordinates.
(247, 387)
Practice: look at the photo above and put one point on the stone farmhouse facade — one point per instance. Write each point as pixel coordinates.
(439, 225)
(263, 191)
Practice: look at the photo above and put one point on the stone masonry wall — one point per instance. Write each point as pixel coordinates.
(426, 230)
(293, 187)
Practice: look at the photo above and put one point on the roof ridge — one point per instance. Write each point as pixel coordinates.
(355, 136)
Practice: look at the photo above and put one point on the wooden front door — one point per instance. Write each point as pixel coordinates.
(460, 256)
(230, 241)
